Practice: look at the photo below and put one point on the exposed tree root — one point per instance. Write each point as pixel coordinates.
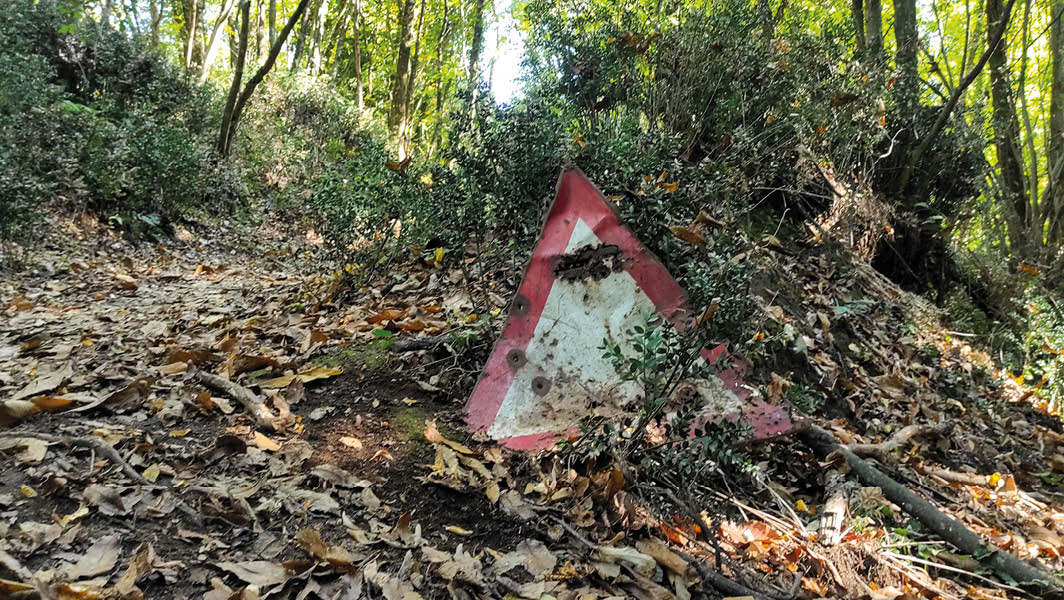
(1033, 576)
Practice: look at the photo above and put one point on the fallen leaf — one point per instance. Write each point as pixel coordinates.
(98, 559)
(663, 555)
(351, 442)
(265, 443)
(433, 435)
(258, 572)
(458, 530)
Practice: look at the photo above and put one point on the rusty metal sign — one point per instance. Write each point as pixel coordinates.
(589, 279)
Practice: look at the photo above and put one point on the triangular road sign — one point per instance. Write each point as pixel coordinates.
(589, 279)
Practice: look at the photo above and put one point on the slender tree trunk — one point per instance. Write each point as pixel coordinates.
(1006, 132)
(355, 30)
(208, 54)
(873, 13)
(857, 12)
(301, 44)
(191, 42)
(405, 35)
(105, 13)
(261, 74)
(271, 19)
(156, 17)
(238, 77)
(258, 28)
(907, 40)
(317, 38)
(411, 83)
(1053, 201)
(995, 35)
(441, 43)
(475, 50)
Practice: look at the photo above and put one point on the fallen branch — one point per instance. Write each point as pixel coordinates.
(896, 442)
(715, 578)
(254, 405)
(719, 581)
(955, 476)
(93, 443)
(101, 447)
(1033, 575)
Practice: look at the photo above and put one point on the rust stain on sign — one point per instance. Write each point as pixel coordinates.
(589, 279)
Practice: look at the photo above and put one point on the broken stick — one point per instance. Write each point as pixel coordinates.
(1030, 575)
(251, 401)
(93, 443)
(897, 441)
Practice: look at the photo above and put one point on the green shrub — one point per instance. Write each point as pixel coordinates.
(90, 120)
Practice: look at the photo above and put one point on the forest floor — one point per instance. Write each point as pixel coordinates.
(339, 466)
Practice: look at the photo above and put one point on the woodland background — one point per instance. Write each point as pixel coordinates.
(926, 136)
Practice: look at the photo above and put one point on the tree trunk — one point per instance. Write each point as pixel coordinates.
(190, 43)
(1006, 128)
(1053, 201)
(259, 75)
(301, 44)
(405, 35)
(995, 34)
(258, 28)
(318, 37)
(208, 55)
(474, 51)
(857, 12)
(411, 85)
(441, 43)
(156, 17)
(271, 20)
(105, 13)
(873, 13)
(358, 52)
(907, 40)
(238, 77)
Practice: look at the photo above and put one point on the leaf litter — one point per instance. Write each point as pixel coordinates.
(323, 467)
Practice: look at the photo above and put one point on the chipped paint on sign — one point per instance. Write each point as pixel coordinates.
(589, 279)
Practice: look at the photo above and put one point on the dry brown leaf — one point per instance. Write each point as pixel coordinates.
(265, 443)
(100, 558)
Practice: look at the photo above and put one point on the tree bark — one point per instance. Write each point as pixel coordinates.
(1053, 201)
(259, 75)
(397, 117)
(190, 44)
(301, 44)
(238, 77)
(1006, 128)
(475, 50)
(356, 28)
(105, 13)
(907, 39)
(873, 13)
(271, 19)
(411, 85)
(441, 43)
(857, 12)
(318, 37)
(156, 18)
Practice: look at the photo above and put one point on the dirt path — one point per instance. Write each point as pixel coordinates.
(126, 473)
